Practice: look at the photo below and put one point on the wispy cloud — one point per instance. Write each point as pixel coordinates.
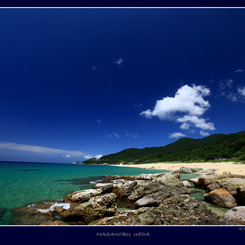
(176, 135)
(186, 107)
(225, 83)
(119, 62)
(230, 92)
(138, 105)
(98, 121)
(239, 71)
(134, 135)
(241, 91)
(114, 135)
(67, 156)
(40, 150)
(230, 96)
(94, 68)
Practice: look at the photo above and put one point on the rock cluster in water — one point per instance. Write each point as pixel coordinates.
(225, 190)
(150, 199)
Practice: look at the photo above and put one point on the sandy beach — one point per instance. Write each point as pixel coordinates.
(233, 168)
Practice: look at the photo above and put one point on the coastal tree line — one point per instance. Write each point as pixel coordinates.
(231, 146)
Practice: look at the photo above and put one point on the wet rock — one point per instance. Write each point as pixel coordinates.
(82, 196)
(221, 198)
(236, 214)
(96, 208)
(39, 212)
(29, 215)
(186, 183)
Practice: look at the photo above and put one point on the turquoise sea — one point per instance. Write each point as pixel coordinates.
(25, 183)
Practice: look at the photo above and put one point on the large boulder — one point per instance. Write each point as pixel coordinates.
(236, 214)
(210, 170)
(174, 210)
(220, 197)
(234, 184)
(97, 207)
(169, 179)
(188, 170)
(82, 196)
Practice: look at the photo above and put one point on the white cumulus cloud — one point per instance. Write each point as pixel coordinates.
(197, 122)
(186, 100)
(98, 156)
(88, 156)
(186, 107)
(176, 135)
(203, 133)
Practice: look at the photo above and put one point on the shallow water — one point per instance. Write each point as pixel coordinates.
(25, 183)
(199, 194)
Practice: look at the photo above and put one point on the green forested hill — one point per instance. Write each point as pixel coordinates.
(185, 149)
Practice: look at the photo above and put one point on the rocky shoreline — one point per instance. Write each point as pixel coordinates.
(147, 199)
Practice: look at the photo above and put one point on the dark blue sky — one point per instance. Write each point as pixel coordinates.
(76, 83)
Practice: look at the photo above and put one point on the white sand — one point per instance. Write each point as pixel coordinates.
(233, 168)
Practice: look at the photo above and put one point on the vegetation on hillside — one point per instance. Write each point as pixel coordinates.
(231, 146)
